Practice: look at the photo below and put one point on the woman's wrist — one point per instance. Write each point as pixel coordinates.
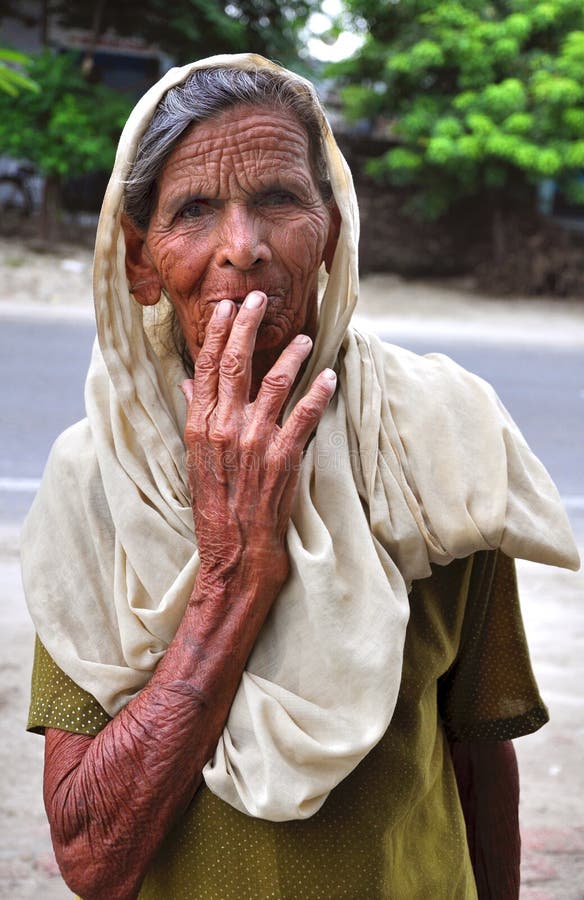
(236, 595)
(257, 567)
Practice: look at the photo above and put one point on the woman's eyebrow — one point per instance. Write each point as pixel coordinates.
(286, 184)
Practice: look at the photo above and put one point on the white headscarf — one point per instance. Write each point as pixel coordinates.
(414, 462)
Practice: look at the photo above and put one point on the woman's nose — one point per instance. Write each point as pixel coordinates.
(242, 244)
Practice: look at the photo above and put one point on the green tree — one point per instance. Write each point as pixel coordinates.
(484, 98)
(67, 128)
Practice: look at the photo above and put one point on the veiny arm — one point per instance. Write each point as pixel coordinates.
(488, 785)
(112, 799)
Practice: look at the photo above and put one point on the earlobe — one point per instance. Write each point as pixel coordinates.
(143, 280)
(333, 237)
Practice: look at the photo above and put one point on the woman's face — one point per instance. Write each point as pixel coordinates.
(238, 210)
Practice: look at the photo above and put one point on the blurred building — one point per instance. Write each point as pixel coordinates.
(127, 64)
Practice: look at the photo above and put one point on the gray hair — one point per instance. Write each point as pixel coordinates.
(205, 93)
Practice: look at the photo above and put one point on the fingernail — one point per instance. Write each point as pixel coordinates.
(254, 300)
(224, 309)
(330, 375)
(301, 339)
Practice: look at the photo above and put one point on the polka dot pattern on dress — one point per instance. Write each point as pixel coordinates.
(57, 702)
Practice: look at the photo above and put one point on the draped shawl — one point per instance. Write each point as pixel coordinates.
(415, 462)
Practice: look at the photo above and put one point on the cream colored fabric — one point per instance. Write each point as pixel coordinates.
(414, 462)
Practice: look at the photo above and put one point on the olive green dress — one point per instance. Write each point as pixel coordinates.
(394, 827)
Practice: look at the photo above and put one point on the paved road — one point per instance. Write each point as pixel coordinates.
(43, 363)
(42, 370)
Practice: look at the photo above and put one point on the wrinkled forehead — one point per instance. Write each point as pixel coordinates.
(249, 143)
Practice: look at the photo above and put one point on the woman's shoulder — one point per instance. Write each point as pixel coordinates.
(73, 452)
(433, 383)
(460, 452)
(72, 470)
(436, 369)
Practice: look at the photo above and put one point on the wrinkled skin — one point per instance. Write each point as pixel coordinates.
(239, 218)
(235, 215)
(242, 466)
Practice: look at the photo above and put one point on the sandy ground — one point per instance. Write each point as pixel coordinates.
(551, 761)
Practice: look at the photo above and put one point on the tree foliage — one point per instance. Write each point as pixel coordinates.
(12, 81)
(481, 96)
(67, 127)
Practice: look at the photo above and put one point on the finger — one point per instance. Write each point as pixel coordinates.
(277, 384)
(206, 377)
(236, 362)
(293, 437)
(306, 415)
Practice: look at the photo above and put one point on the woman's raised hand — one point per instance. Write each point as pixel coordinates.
(242, 466)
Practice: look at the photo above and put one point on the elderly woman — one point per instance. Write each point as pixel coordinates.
(221, 576)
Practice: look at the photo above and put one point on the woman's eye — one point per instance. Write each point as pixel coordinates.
(278, 198)
(193, 210)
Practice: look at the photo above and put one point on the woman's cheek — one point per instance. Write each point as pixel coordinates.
(182, 262)
(307, 245)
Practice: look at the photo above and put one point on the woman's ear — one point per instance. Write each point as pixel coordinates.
(333, 237)
(143, 280)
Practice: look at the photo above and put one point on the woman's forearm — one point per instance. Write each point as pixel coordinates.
(488, 786)
(112, 799)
